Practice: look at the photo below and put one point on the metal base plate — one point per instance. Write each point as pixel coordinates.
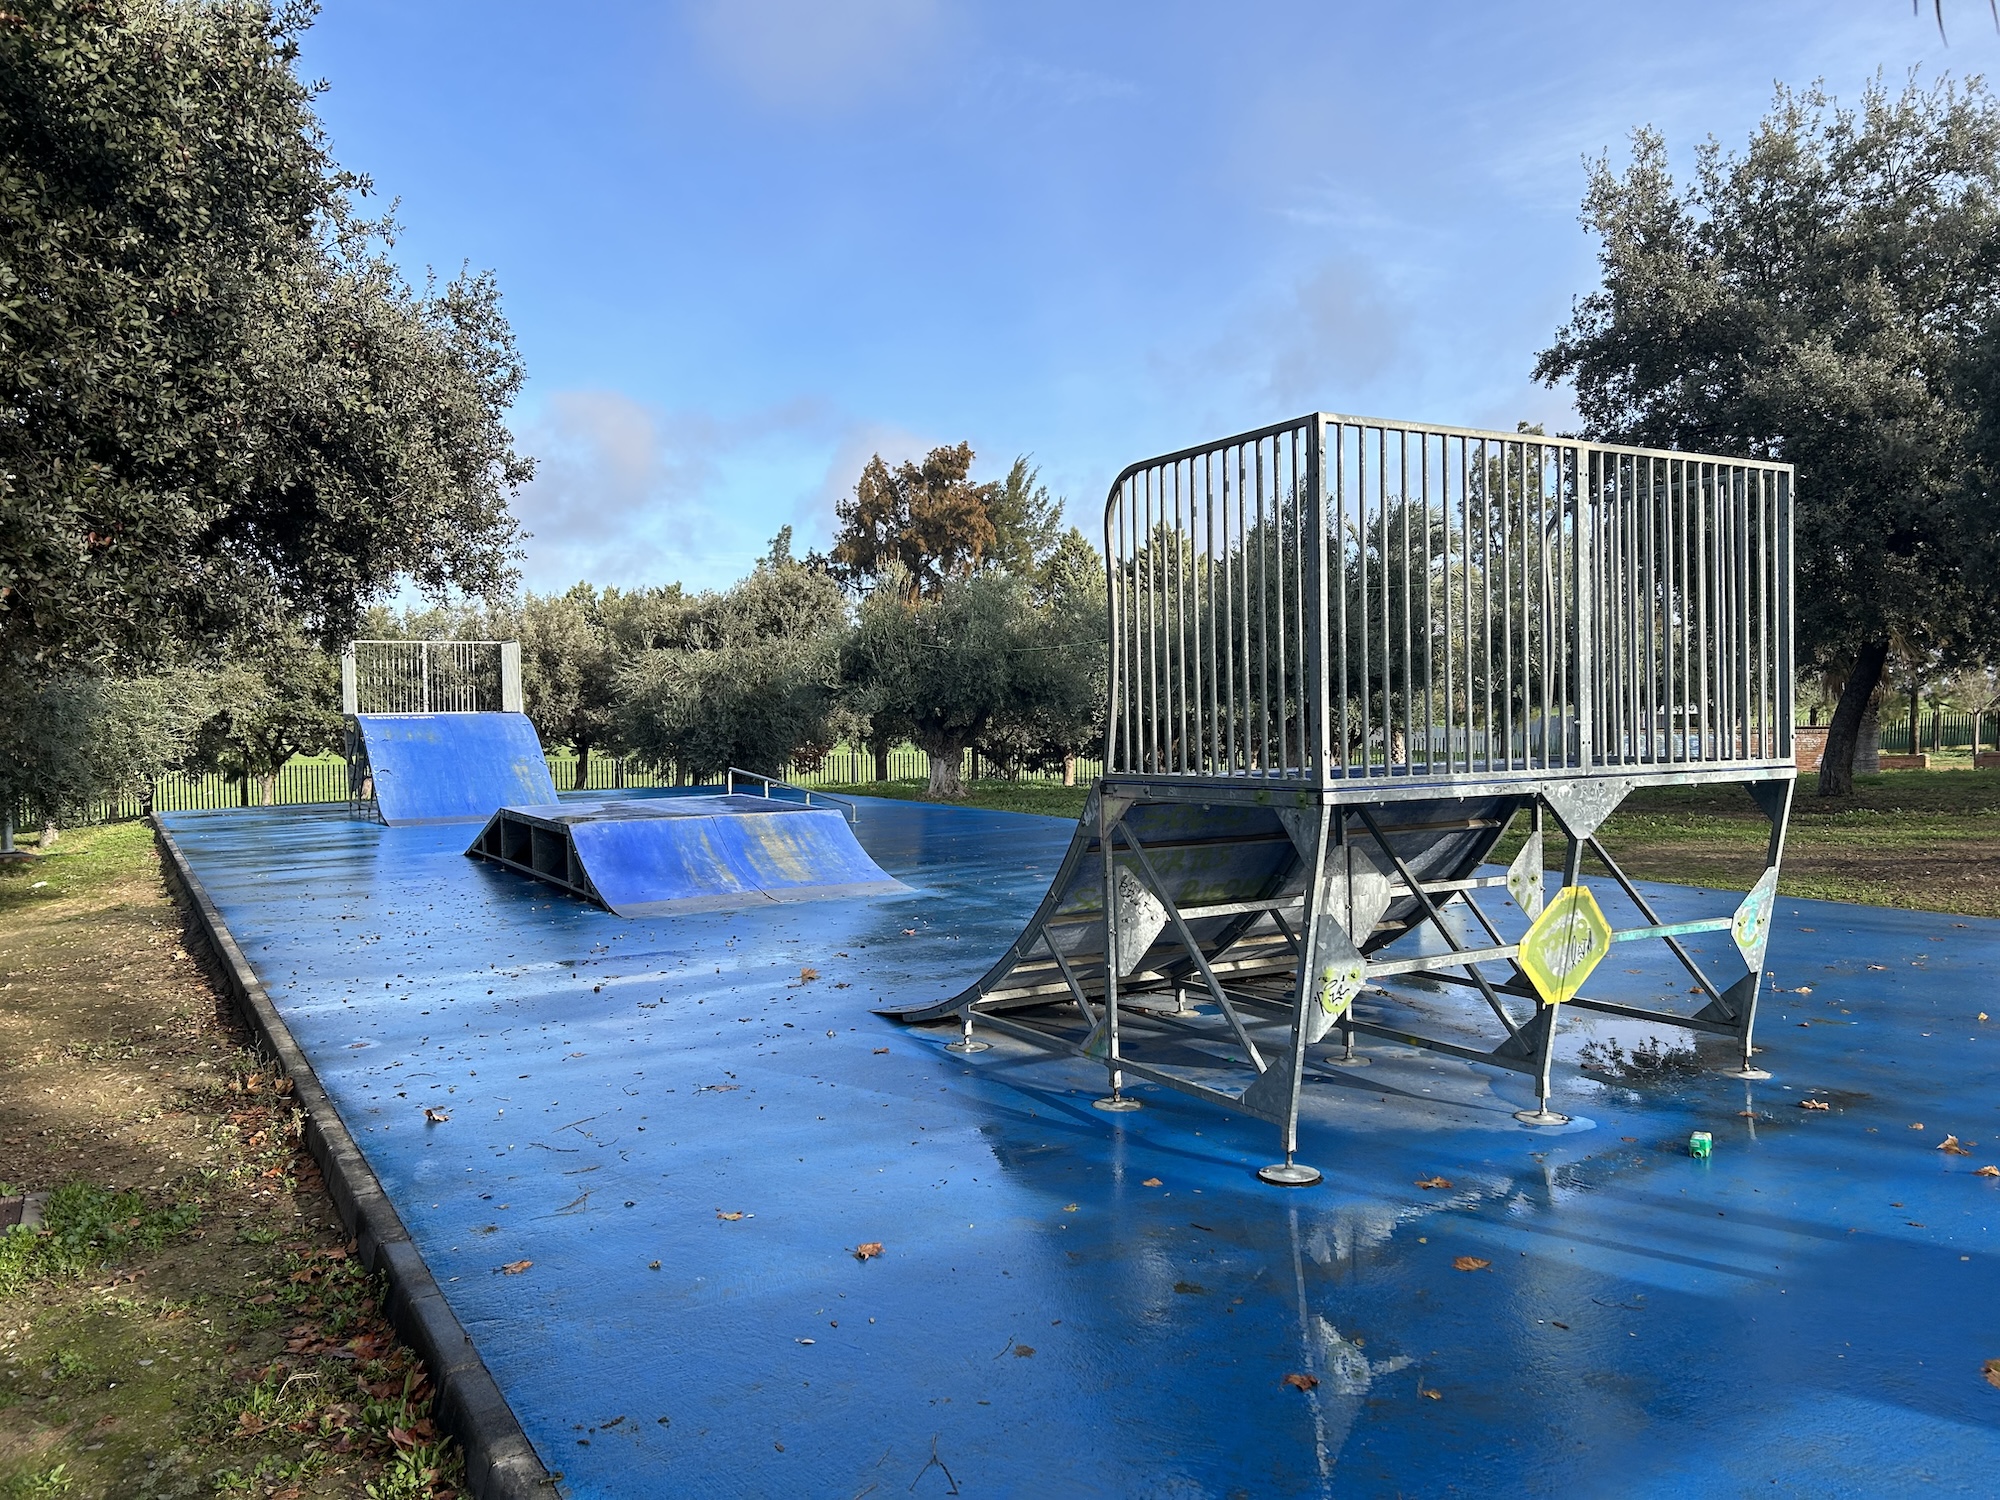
(1749, 1075)
(1347, 1062)
(968, 1046)
(1117, 1104)
(1540, 1117)
(1289, 1174)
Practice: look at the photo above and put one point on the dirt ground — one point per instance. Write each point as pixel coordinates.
(188, 1322)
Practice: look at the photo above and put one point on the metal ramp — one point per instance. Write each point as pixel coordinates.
(1345, 655)
(451, 767)
(668, 855)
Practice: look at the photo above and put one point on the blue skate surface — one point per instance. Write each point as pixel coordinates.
(1074, 1303)
(453, 768)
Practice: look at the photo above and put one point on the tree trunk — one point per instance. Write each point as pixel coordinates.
(881, 762)
(1069, 770)
(582, 767)
(267, 791)
(49, 834)
(1836, 766)
(1916, 730)
(945, 765)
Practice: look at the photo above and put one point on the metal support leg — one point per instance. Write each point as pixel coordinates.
(1115, 1102)
(967, 1043)
(1545, 1021)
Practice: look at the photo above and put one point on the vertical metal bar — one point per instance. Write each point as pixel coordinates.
(1364, 600)
(1230, 569)
(1263, 617)
(1388, 577)
(1205, 608)
(1177, 684)
(1337, 583)
(1318, 749)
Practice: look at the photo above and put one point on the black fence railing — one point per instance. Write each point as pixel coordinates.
(323, 779)
(1942, 731)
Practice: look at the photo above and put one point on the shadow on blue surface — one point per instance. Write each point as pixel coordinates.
(1069, 1303)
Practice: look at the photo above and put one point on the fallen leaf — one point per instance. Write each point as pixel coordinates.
(1747, 1114)
(1426, 1391)
(880, 1051)
(1554, 1324)
(1814, 1104)
(1151, 1182)
(863, 1252)
(1471, 1263)
(515, 1267)
(807, 976)
(435, 1116)
(1918, 1126)
(1950, 1143)
(1024, 1351)
(652, 1265)
(1190, 1289)
(804, 1341)
(909, 932)
(732, 1216)
(1991, 1369)
(1069, 1208)
(1307, 1382)
(1427, 1183)
(1987, 1172)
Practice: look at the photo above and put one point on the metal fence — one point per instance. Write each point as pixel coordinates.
(431, 677)
(304, 782)
(1338, 597)
(1943, 731)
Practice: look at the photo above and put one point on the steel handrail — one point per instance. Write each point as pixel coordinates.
(730, 774)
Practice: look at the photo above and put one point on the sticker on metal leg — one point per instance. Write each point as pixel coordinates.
(1567, 941)
(1751, 926)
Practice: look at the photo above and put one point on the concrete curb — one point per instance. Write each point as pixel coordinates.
(500, 1463)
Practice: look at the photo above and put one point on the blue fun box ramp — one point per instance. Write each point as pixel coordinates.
(453, 768)
(684, 854)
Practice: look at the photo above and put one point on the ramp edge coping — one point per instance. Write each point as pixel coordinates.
(500, 1462)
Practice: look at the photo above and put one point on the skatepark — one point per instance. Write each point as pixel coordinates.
(1235, 1139)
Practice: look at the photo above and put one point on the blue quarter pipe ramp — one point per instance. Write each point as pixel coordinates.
(684, 854)
(453, 768)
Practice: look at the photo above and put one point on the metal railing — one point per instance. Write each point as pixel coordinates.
(430, 677)
(776, 783)
(1339, 597)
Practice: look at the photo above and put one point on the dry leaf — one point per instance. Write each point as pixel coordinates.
(515, 1267)
(1814, 1104)
(1069, 1208)
(1471, 1263)
(803, 1341)
(1991, 1369)
(807, 976)
(880, 1051)
(909, 932)
(1428, 1183)
(1918, 1126)
(1024, 1351)
(1883, 967)
(1301, 1382)
(1424, 1390)
(732, 1216)
(1950, 1143)
(1987, 1172)
(436, 1116)
(863, 1252)
(1152, 1182)
(1982, 1015)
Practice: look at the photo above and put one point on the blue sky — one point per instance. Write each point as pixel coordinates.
(744, 245)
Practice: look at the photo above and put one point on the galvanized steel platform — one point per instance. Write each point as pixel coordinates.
(1073, 1304)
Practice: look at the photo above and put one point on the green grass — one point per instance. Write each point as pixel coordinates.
(85, 1227)
(1048, 799)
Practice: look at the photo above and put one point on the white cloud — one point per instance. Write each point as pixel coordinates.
(627, 493)
(808, 55)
